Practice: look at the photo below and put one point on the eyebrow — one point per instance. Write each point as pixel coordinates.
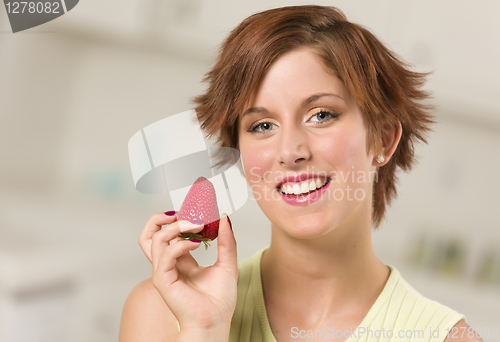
(310, 99)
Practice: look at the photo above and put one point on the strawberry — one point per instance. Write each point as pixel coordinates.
(201, 204)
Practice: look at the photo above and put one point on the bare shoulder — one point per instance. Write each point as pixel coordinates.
(462, 333)
(146, 317)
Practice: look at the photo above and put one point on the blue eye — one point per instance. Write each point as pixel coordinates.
(265, 127)
(324, 116)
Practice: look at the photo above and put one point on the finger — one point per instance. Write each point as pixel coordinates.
(226, 246)
(185, 263)
(166, 268)
(162, 238)
(154, 224)
(171, 242)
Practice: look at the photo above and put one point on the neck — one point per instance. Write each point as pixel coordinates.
(338, 274)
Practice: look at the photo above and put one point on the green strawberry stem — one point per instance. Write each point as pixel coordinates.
(194, 236)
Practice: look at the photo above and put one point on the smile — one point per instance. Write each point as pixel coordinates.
(303, 188)
(304, 196)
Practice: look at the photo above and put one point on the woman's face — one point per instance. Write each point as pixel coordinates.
(301, 121)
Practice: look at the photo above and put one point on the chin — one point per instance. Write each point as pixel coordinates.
(303, 228)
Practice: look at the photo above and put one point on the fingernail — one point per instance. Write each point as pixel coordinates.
(195, 240)
(170, 213)
(228, 220)
(191, 226)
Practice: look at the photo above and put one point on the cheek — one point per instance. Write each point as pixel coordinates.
(343, 149)
(256, 161)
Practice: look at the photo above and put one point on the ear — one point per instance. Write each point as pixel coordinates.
(391, 134)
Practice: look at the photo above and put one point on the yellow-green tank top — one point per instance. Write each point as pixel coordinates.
(399, 311)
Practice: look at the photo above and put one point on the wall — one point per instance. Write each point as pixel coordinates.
(73, 91)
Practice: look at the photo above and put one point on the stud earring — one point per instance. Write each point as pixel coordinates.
(380, 159)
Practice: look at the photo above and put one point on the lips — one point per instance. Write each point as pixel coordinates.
(304, 199)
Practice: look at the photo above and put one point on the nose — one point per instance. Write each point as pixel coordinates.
(294, 146)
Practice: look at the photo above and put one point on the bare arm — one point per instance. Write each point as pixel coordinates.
(146, 317)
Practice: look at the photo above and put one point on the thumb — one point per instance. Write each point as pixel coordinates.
(226, 245)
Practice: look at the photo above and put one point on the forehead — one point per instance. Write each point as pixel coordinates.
(297, 73)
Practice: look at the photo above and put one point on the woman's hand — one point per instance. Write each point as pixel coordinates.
(201, 298)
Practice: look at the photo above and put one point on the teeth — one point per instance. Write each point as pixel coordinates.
(302, 188)
(296, 189)
(312, 186)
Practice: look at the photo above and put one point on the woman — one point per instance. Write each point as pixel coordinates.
(323, 114)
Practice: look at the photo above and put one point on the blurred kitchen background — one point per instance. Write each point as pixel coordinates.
(73, 91)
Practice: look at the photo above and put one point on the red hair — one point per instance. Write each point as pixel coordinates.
(384, 87)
